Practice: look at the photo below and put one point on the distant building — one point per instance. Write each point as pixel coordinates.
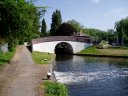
(80, 34)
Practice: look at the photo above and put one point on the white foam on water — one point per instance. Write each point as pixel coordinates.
(72, 77)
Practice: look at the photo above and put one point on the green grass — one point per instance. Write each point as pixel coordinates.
(39, 57)
(110, 51)
(89, 50)
(120, 48)
(54, 89)
(5, 57)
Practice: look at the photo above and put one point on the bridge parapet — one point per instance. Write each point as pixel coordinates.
(84, 39)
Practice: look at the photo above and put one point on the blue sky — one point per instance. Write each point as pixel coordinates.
(99, 14)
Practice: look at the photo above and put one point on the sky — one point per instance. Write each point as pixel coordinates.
(98, 14)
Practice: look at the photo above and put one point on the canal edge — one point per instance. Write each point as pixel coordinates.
(95, 55)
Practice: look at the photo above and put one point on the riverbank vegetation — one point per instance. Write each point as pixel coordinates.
(42, 57)
(5, 57)
(93, 50)
(55, 89)
(22, 22)
(116, 36)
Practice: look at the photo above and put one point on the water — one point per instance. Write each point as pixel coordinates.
(92, 76)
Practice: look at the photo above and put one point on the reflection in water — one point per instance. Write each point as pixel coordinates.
(93, 76)
(63, 57)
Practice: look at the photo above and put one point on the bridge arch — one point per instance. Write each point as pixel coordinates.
(51, 44)
(63, 47)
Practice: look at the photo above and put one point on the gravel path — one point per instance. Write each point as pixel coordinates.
(22, 77)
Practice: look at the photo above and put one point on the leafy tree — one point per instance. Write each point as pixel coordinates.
(44, 27)
(96, 35)
(111, 36)
(75, 24)
(19, 21)
(65, 29)
(122, 30)
(56, 22)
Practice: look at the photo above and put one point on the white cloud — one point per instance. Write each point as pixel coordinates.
(96, 1)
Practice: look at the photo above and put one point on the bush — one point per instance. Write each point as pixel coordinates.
(55, 89)
(5, 57)
(12, 44)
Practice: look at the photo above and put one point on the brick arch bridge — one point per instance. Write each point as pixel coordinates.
(67, 44)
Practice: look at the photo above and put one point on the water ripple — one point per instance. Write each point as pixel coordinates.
(72, 77)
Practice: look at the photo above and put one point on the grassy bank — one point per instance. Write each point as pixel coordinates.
(39, 57)
(109, 52)
(54, 89)
(5, 57)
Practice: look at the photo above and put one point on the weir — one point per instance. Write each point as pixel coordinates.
(92, 76)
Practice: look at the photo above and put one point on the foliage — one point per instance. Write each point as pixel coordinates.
(56, 22)
(65, 29)
(43, 27)
(111, 36)
(120, 36)
(39, 57)
(12, 44)
(19, 20)
(75, 24)
(5, 57)
(96, 35)
(122, 30)
(55, 89)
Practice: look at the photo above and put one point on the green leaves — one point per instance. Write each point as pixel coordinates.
(56, 22)
(65, 29)
(19, 20)
(75, 24)
(122, 30)
(44, 27)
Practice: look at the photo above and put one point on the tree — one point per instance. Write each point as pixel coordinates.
(96, 35)
(122, 30)
(44, 27)
(75, 24)
(111, 36)
(65, 29)
(19, 21)
(56, 22)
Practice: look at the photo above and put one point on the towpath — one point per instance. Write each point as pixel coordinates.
(22, 77)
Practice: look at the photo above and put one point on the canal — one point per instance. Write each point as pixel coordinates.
(92, 76)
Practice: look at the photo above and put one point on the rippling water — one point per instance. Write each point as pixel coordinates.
(92, 76)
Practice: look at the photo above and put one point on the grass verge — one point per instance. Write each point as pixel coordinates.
(55, 89)
(89, 50)
(5, 57)
(39, 57)
(108, 52)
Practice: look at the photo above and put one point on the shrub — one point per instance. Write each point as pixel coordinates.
(5, 57)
